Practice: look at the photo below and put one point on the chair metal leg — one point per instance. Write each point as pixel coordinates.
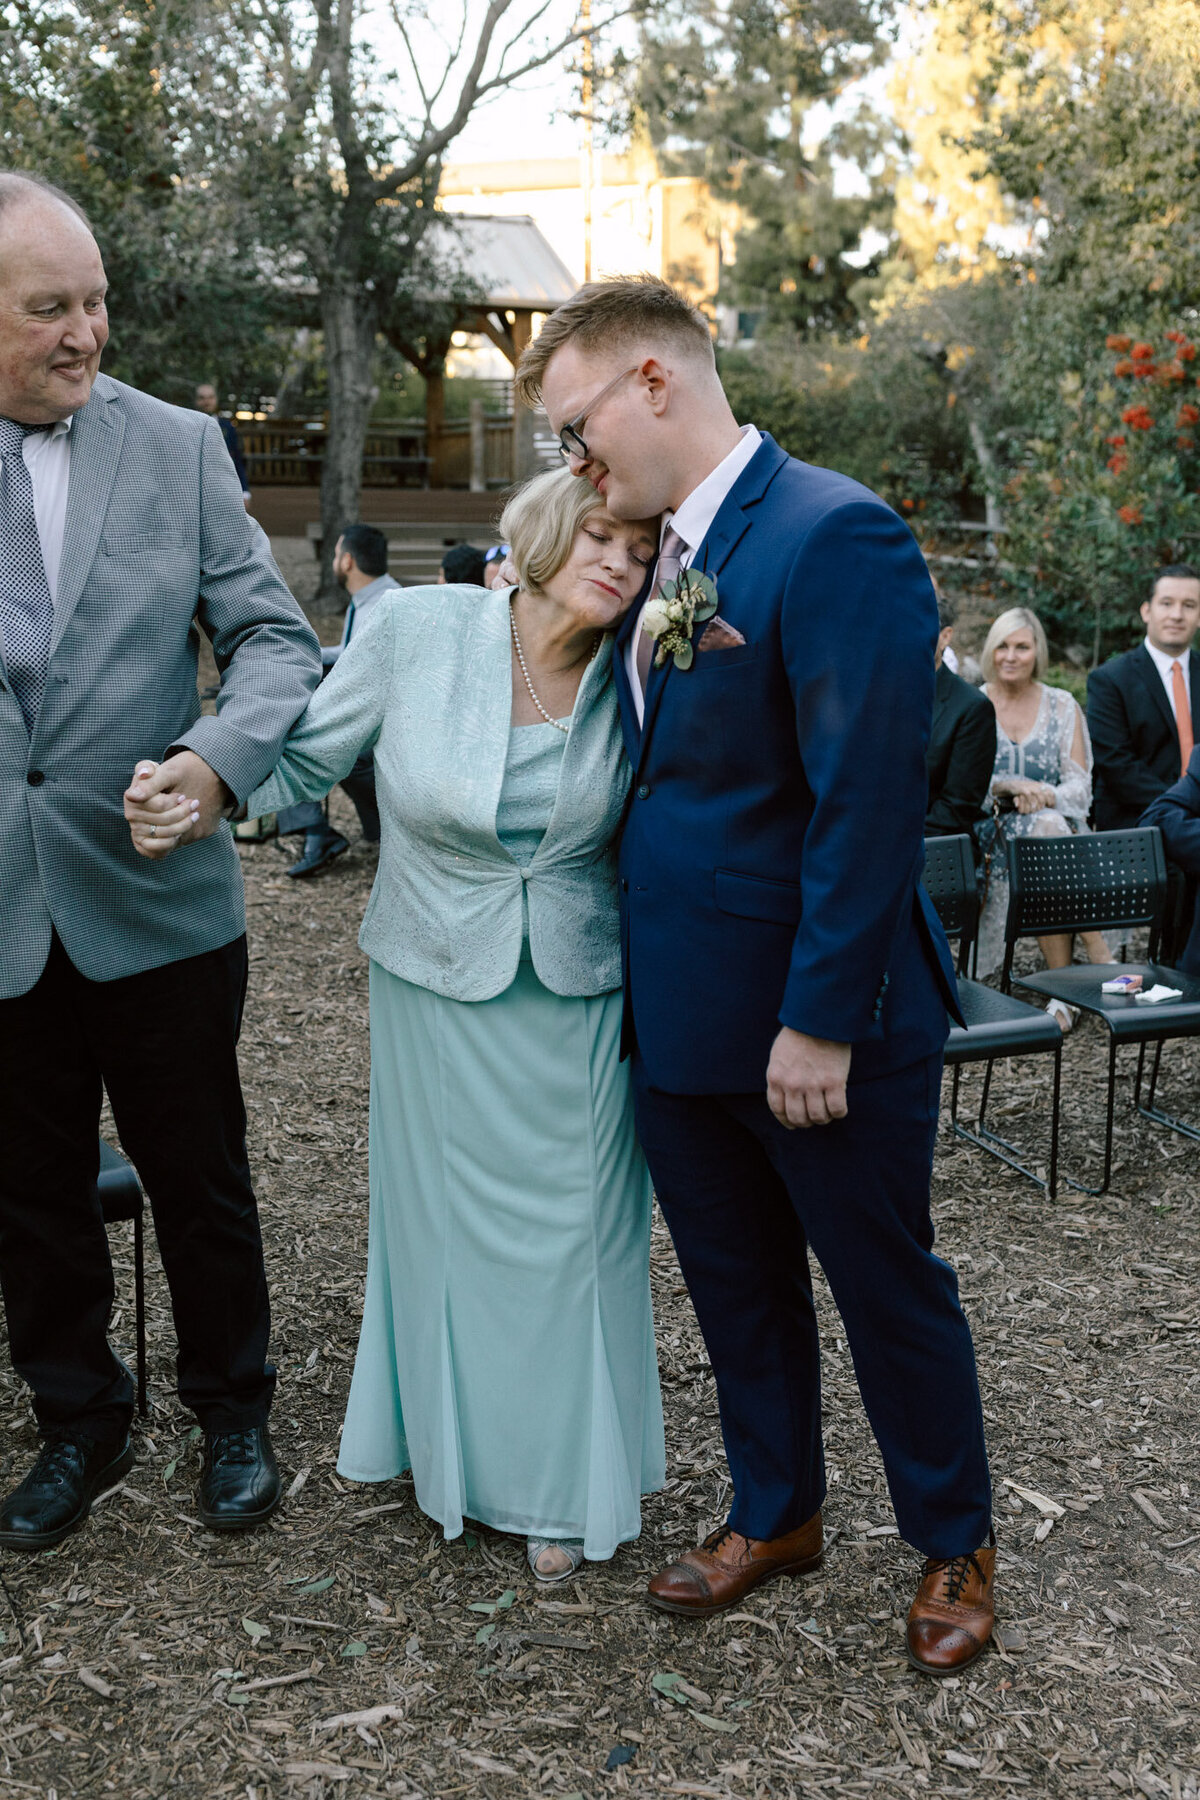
(1000, 1147)
(1148, 1109)
(139, 1287)
(1079, 1186)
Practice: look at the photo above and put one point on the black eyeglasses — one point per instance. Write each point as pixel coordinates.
(497, 553)
(569, 441)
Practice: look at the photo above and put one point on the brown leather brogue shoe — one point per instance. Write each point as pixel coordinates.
(951, 1619)
(726, 1566)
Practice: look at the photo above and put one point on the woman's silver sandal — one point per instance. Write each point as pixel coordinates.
(1064, 1015)
(572, 1549)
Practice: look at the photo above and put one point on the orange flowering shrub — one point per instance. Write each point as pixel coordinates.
(1109, 486)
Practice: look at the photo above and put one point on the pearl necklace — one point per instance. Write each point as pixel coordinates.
(557, 723)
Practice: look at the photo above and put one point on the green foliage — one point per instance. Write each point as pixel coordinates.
(725, 89)
(1106, 487)
(876, 411)
(119, 102)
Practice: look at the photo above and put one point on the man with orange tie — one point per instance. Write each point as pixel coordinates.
(1144, 707)
(1144, 716)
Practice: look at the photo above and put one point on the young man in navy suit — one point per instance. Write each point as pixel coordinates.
(786, 980)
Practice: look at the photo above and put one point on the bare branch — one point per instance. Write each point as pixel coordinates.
(474, 88)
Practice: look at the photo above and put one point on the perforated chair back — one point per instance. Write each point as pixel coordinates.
(949, 880)
(1099, 881)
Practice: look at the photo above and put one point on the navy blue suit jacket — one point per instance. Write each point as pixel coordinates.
(1177, 815)
(772, 851)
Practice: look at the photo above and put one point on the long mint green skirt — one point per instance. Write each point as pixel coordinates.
(507, 1347)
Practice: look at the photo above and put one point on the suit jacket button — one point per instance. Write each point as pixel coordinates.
(35, 778)
(643, 792)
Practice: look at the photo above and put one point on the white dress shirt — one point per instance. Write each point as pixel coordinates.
(1163, 662)
(693, 521)
(48, 459)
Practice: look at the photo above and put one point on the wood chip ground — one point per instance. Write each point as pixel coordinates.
(342, 1652)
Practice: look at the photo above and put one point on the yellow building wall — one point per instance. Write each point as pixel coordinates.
(641, 220)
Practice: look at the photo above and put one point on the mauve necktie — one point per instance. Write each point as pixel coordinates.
(1183, 716)
(26, 609)
(670, 561)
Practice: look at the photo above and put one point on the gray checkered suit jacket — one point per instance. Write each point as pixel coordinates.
(157, 545)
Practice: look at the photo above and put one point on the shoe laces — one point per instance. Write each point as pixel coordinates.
(716, 1540)
(956, 1570)
(56, 1459)
(233, 1447)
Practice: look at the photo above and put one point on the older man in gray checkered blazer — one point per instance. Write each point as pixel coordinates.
(122, 535)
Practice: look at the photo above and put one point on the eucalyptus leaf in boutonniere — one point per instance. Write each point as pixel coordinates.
(677, 607)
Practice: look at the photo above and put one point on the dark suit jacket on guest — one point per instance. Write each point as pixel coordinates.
(1177, 815)
(961, 755)
(1135, 740)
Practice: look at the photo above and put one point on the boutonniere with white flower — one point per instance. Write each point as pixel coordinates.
(678, 606)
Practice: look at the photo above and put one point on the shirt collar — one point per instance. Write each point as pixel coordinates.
(373, 588)
(1162, 659)
(693, 518)
(46, 434)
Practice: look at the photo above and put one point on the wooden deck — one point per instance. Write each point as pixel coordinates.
(289, 511)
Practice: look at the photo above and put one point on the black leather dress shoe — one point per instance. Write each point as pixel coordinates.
(240, 1484)
(320, 849)
(58, 1491)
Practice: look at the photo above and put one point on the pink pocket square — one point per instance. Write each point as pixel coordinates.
(717, 635)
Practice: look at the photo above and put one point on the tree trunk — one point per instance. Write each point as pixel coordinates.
(350, 323)
(990, 473)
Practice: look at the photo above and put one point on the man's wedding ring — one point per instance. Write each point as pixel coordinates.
(153, 831)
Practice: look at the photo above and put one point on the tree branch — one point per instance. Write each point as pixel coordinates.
(474, 88)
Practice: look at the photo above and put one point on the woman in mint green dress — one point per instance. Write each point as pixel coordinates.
(507, 1346)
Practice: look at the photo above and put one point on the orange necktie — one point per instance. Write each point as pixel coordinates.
(1183, 716)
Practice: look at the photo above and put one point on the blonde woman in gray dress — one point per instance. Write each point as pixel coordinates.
(507, 1346)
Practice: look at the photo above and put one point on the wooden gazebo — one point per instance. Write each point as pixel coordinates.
(511, 272)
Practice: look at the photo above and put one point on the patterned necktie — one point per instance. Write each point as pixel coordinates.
(670, 562)
(26, 609)
(1183, 716)
(348, 633)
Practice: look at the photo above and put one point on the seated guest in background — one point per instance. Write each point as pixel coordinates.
(1042, 783)
(359, 566)
(962, 742)
(1144, 707)
(1177, 815)
(462, 566)
(207, 401)
(494, 560)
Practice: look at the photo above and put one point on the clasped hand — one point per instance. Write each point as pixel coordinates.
(806, 1079)
(175, 802)
(1027, 796)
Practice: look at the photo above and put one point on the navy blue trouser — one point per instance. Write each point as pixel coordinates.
(745, 1199)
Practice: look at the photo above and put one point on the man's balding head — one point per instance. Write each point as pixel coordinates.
(16, 185)
(53, 323)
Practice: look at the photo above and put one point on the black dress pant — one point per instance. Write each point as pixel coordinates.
(164, 1045)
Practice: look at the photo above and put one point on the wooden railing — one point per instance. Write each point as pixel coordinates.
(290, 453)
(454, 458)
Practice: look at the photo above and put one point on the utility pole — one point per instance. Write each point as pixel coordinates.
(587, 172)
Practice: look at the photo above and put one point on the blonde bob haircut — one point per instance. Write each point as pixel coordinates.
(1017, 618)
(541, 522)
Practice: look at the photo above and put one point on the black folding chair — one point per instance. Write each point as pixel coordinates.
(996, 1024)
(1103, 881)
(120, 1196)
